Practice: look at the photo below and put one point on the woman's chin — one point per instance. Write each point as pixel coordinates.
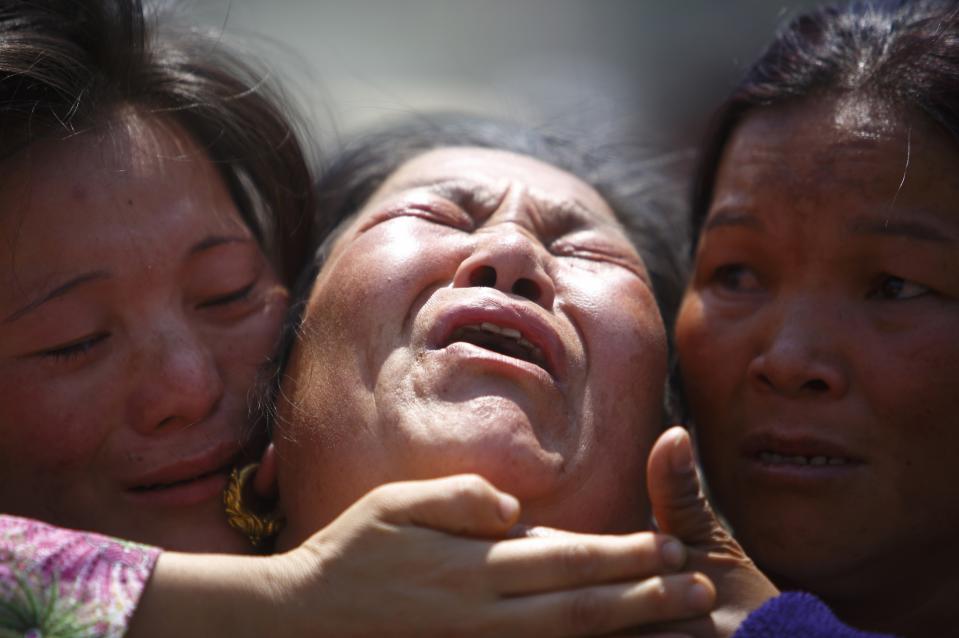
(498, 442)
(202, 532)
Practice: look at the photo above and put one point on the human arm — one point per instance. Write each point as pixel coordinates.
(382, 567)
(419, 559)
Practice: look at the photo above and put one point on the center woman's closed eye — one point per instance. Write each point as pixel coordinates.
(428, 209)
(587, 247)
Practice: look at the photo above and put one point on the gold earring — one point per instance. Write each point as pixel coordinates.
(254, 525)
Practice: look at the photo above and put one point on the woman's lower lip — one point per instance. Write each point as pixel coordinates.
(466, 351)
(183, 493)
(799, 473)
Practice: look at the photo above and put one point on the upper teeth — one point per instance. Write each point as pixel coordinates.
(798, 459)
(511, 333)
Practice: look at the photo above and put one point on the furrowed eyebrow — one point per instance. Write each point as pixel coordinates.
(463, 192)
(572, 215)
(475, 196)
(911, 229)
(730, 218)
(57, 292)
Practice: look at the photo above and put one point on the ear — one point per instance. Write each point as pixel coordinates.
(264, 483)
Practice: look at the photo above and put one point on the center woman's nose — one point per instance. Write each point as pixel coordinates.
(177, 382)
(507, 258)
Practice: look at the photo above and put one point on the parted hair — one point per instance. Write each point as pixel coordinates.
(903, 52)
(70, 65)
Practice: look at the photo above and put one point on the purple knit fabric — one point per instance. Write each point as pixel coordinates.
(797, 615)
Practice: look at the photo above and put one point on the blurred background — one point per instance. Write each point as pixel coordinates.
(647, 70)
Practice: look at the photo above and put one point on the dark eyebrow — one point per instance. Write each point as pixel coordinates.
(59, 291)
(731, 218)
(217, 240)
(571, 215)
(912, 229)
(455, 184)
(462, 191)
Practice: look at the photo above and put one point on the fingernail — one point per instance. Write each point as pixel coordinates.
(673, 553)
(680, 457)
(508, 508)
(699, 597)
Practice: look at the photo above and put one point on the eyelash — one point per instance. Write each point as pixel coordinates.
(231, 297)
(880, 289)
(84, 346)
(728, 277)
(441, 219)
(566, 250)
(74, 350)
(459, 222)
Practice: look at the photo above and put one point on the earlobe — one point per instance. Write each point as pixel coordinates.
(264, 481)
(255, 519)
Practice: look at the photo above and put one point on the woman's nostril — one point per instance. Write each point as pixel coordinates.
(527, 288)
(483, 276)
(816, 385)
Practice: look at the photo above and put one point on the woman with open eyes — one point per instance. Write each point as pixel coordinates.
(817, 337)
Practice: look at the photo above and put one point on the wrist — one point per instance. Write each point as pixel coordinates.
(287, 590)
(209, 595)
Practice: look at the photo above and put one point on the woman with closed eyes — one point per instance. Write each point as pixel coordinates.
(155, 204)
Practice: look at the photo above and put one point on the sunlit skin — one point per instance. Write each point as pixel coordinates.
(135, 307)
(821, 321)
(381, 388)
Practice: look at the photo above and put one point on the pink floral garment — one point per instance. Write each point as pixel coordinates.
(59, 583)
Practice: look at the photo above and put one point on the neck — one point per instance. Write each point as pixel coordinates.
(915, 603)
(919, 607)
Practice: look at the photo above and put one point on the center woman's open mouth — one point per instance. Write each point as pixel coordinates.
(502, 340)
(506, 329)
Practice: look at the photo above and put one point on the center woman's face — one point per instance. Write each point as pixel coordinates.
(484, 313)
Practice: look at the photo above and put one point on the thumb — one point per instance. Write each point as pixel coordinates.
(679, 504)
(465, 505)
(681, 509)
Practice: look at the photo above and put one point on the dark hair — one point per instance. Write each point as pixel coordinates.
(642, 197)
(68, 65)
(904, 52)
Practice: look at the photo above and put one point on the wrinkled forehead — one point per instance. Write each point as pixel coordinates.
(494, 169)
(842, 132)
